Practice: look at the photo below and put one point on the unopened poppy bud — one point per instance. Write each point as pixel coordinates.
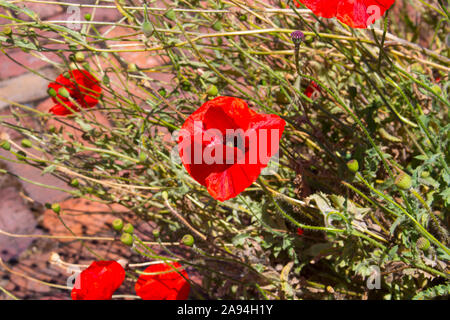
(26, 143)
(56, 208)
(105, 79)
(156, 233)
(127, 239)
(132, 67)
(51, 92)
(436, 89)
(217, 26)
(79, 57)
(243, 17)
(403, 181)
(117, 224)
(87, 17)
(21, 155)
(165, 195)
(212, 90)
(353, 165)
(142, 157)
(162, 92)
(74, 183)
(128, 228)
(187, 240)
(423, 244)
(425, 174)
(63, 92)
(147, 28)
(5, 145)
(171, 15)
(7, 31)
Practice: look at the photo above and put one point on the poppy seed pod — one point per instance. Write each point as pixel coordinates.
(403, 181)
(56, 207)
(26, 143)
(117, 224)
(187, 240)
(63, 92)
(212, 90)
(170, 14)
(128, 228)
(423, 244)
(5, 145)
(127, 239)
(353, 165)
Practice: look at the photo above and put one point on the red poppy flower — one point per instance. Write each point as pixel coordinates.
(167, 284)
(299, 231)
(224, 145)
(354, 13)
(99, 281)
(311, 89)
(83, 87)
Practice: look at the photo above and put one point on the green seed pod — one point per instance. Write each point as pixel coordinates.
(132, 67)
(353, 165)
(7, 31)
(308, 39)
(425, 174)
(117, 224)
(105, 79)
(21, 155)
(147, 28)
(56, 208)
(162, 92)
(128, 228)
(5, 145)
(66, 75)
(171, 15)
(87, 17)
(156, 233)
(403, 181)
(142, 157)
(217, 25)
(63, 92)
(79, 57)
(243, 17)
(127, 239)
(51, 92)
(26, 143)
(212, 90)
(436, 89)
(187, 240)
(74, 183)
(423, 244)
(281, 98)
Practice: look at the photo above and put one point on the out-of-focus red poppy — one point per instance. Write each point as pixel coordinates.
(165, 284)
(99, 281)
(224, 145)
(83, 87)
(299, 231)
(311, 89)
(354, 13)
